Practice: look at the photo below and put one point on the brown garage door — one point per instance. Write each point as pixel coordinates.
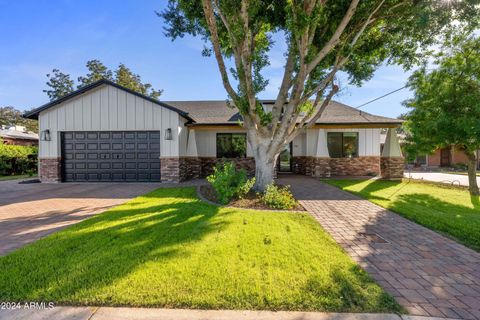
(118, 156)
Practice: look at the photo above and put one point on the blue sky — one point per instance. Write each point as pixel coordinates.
(39, 35)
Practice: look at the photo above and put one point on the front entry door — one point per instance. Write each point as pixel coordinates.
(445, 157)
(285, 159)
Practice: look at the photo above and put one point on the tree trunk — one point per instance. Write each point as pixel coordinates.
(472, 174)
(264, 166)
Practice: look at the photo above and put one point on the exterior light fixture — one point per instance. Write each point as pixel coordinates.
(168, 134)
(45, 135)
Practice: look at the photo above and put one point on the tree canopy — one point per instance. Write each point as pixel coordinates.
(60, 84)
(322, 37)
(10, 116)
(446, 103)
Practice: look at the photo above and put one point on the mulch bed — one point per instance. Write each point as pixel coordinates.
(251, 201)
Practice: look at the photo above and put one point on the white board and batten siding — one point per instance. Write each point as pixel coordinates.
(368, 141)
(109, 109)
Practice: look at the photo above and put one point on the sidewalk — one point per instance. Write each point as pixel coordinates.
(447, 178)
(107, 313)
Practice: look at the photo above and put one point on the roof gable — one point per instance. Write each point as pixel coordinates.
(33, 114)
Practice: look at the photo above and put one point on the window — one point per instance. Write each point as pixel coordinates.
(342, 144)
(231, 145)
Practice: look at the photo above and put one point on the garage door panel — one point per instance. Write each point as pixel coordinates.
(92, 166)
(111, 156)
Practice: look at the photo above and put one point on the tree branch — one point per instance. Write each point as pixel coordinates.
(212, 27)
(334, 40)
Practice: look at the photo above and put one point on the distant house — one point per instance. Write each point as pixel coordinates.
(448, 157)
(18, 135)
(106, 132)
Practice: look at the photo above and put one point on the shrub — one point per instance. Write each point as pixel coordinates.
(245, 188)
(229, 183)
(17, 159)
(278, 198)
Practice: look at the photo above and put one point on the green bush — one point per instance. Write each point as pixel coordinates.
(17, 159)
(278, 198)
(229, 183)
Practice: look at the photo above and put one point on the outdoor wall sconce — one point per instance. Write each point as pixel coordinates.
(45, 135)
(168, 134)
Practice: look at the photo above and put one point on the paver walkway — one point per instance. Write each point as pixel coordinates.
(29, 212)
(427, 273)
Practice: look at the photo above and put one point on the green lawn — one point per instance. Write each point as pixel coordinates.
(451, 211)
(169, 249)
(19, 176)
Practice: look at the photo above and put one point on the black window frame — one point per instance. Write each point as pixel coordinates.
(230, 155)
(342, 134)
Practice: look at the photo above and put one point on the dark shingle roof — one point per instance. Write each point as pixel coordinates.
(217, 112)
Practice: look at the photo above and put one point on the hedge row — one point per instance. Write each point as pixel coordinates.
(17, 159)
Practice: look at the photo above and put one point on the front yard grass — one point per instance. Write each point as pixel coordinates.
(169, 249)
(15, 177)
(448, 210)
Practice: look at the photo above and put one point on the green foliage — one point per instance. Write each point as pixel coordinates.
(125, 77)
(9, 116)
(446, 106)
(97, 71)
(398, 33)
(60, 84)
(229, 183)
(16, 160)
(279, 197)
(245, 188)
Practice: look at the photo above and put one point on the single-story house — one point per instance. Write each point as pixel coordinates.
(448, 157)
(18, 135)
(105, 132)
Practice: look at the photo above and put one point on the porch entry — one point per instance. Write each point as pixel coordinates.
(445, 157)
(284, 163)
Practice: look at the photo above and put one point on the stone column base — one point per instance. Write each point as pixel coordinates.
(50, 170)
(170, 169)
(320, 167)
(392, 167)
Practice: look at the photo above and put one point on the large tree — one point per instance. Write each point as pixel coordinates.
(10, 116)
(323, 37)
(60, 84)
(446, 105)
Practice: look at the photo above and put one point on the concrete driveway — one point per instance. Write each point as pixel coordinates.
(29, 212)
(455, 179)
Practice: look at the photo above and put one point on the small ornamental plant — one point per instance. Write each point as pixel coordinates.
(279, 197)
(229, 183)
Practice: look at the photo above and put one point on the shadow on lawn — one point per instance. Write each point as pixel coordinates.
(344, 293)
(95, 253)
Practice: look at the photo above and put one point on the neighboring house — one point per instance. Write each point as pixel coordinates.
(18, 135)
(449, 157)
(445, 157)
(105, 132)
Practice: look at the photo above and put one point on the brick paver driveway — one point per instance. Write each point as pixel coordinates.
(426, 273)
(31, 211)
